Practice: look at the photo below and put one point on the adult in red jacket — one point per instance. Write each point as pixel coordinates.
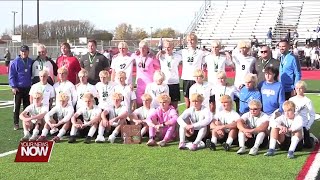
(70, 62)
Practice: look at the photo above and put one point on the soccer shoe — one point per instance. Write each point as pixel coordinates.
(241, 150)
(54, 130)
(193, 147)
(162, 143)
(33, 138)
(290, 155)
(25, 138)
(210, 145)
(151, 142)
(87, 140)
(42, 138)
(111, 138)
(182, 145)
(201, 145)
(253, 151)
(56, 139)
(16, 127)
(72, 139)
(100, 139)
(226, 146)
(270, 152)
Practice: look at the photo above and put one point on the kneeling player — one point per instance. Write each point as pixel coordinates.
(287, 130)
(33, 116)
(252, 127)
(63, 111)
(163, 120)
(193, 123)
(117, 118)
(90, 118)
(224, 125)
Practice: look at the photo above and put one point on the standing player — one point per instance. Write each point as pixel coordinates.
(105, 90)
(84, 87)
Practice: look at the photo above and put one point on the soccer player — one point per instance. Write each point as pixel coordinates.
(305, 109)
(115, 117)
(63, 111)
(156, 88)
(91, 115)
(248, 92)
(83, 87)
(224, 125)
(253, 127)
(162, 120)
(193, 123)
(33, 116)
(105, 89)
(287, 131)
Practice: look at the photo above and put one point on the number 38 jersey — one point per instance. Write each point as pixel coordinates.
(244, 66)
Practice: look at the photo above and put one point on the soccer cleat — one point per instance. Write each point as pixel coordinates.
(72, 139)
(193, 147)
(290, 155)
(111, 138)
(226, 146)
(56, 139)
(182, 145)
(162, 143)
(33, 138)
(151, 142)
(100, 139)
(42, 138)
(87, 140)
(241, 150)
(210, 145)
(25, 138)
(54, 130)
(253, 151)
(16, 127)
(270, 152)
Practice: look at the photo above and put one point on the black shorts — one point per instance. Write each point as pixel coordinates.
(250, 142)
(286, 144)
(174, 92)
(186, 86)
(287, 95)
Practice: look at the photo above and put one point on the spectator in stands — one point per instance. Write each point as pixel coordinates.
(43, 62)
(290, 70)
(7, 58)
(288, 36)
(107, 54)
(276, 52)
(70, 62)
(265, 60)
(308, 37)
(269, 37)
(295, 38)
(254, 41)
(94, 62)
(314, 38)
(307, 55)
(315, 60)
(20, 82)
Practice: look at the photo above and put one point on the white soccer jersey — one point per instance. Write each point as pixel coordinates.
(89, 114)
(142, 112)
(64, 114)
(33, 110)
(253, 121)
(82, 89)
(38, 66)
(123, 63)
(295, 124)
(115, 112)
(105, 92)
(199, 119)
(220, 90)
(227, 117)
(170, 67)
(214, 65)
(46, 90)
(154, 90)
(205, 89)
(128, 95)
(68, 88)
(305, 109)
(191, 60)
(244, 66)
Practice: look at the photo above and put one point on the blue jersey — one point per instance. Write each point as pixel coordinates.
(246, 95)
(289, 71)
(272, 95)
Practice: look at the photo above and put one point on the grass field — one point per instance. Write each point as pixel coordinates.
(118, 161)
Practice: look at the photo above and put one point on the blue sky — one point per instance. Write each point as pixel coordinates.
(104, 14)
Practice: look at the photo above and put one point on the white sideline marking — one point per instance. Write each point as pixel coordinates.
(8, 153)
(313, 171)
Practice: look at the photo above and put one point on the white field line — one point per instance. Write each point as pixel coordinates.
(8, 153)
(314, 169)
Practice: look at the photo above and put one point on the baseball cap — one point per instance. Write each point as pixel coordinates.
(24, 48)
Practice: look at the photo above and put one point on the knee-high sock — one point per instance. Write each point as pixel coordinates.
(101, 130)
(61, 132)
(202, 132)
(241, 139)
(143, 131)
(92, 131)
(182, 134)
(73, 131)
(259, 139)
(272, 143)
(294, 142)
(229, 141)
(35, 132)
(169, 131)
(45, 132)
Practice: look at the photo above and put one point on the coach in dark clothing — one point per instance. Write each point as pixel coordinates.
(20, 82)
(94, 62)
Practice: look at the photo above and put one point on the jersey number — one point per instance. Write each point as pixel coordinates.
(243, 67)
(122, 66)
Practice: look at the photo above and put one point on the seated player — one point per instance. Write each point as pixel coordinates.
(253, 127)
(287, 131)
(193, 123)
(63, 111)
(32, 117)
(105, 90)
(224, 125)
(156, 88)
(248, 92)
(139, 116)
(112, 117)
(305, 109)
(86, 117)
(162, 120)
(83, 87)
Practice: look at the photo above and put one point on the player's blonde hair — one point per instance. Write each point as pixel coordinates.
(255, 103)
(159, 76)
(143, 43)
(63, 70)
(37, 95)
(63, 96)
(88, 96)
(251, 77)
(216, 43)
(301, 84)
(221, 74)
(44, 72)
(226, 98)
(122, 74)
(192, 36)
(104, 73)
(289, 106)
(117, 96)
(243, 44)
(167, 42)
(123, 45)
(196, 97)
(83, 72)
(164, 98)
(198, 73)
(146, 97)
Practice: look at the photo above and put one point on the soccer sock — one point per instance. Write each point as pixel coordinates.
(35, 132)
(61, 132)
(114, 133)
(26, 133)
(229, 141)
(73, 131)
(214, 140)
(202, 132)
(44, 132)
(143, 131)
(294, 142)
(182, 134)
(259, 139)
(272, 144)
(101, 130)
(241, 139)
(92, 131)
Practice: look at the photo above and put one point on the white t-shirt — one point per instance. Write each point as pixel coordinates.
(128, 95)
(89, 114)
(199, 119)
(205, 90)
(64, 114)
(38, 66)
(82, 89)
(253, 121)
(295, 124)
(305, 109)
(191, 60)
(244, 66)
(308, 52)
(123, 63)
(170, 67)
(143, 112)
(33, 110)
(105, 92)
(220, 90)
(227, 117)
(214, 65)
(46, 90)
(154, 90)
(68, 88)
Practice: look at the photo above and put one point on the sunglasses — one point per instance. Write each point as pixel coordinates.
(263, 51)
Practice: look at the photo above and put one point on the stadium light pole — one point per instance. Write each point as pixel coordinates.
(22, 20)
(151, 36)
(38, 26)
(14, 21)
